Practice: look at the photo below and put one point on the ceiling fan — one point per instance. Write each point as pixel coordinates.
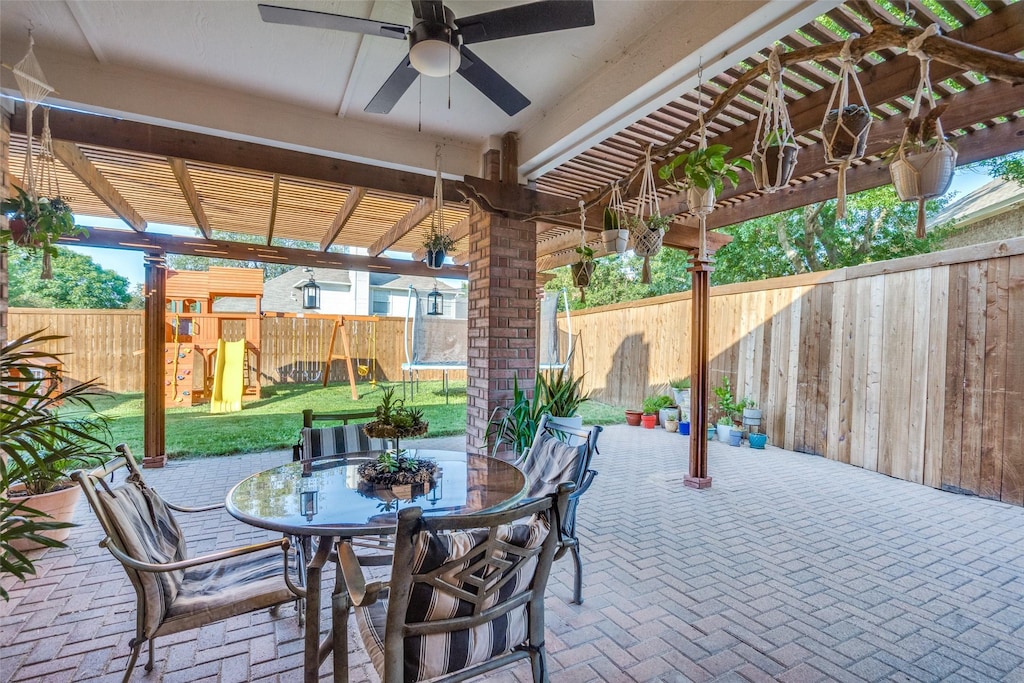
(438, 40)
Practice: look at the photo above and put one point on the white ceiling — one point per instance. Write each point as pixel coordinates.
(214, 66)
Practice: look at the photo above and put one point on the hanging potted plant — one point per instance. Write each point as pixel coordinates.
(924, 162)
(437, 244)
(38, 224)
(583, 269)
(704, 171)
(615, 237)
(845, 131)
(773, 164)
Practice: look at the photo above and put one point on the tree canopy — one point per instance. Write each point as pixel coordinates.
(78, 282)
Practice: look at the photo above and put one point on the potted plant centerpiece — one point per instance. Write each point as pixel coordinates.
(704, 171)
(394, 421)
(615, 237)
(437, 244)
(48, 431)
(38, 224)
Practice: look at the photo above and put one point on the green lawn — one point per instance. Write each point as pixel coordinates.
(273, 422)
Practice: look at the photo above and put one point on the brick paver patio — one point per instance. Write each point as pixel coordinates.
(791, 568)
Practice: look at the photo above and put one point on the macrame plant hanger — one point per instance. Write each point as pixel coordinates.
(844, 129)
(775, 149)
(584, 268)
(927, 174)
(618, 209)
(695, 197)
(437, 215)
(647, 240)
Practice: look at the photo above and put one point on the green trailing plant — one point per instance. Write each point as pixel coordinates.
(680, 384)
(45, 220)
(705, 168)
(48, 431)
(585, 253)
(652, 223)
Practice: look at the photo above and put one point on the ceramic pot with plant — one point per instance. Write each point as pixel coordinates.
(712, 431)
(703, 171)
(681, 393)
(923, 163)
(651, 406)
(671, 424)
(751, 414)
(773, 165)
(42, 444)
(758, 440)
(668, 412)
(633, 417)
(438, 244)
(561, 395)
(38, 224)
(614, 236)
(735, 436)
(684, 425)
(846, 138)
(583, 269)
(724, 427)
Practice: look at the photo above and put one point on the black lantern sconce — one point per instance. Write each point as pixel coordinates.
(435, 303)
(309, 504)
(310, 293)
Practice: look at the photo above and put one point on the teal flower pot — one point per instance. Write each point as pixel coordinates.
(758, 440)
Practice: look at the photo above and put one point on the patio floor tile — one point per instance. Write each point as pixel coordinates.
(789, 568)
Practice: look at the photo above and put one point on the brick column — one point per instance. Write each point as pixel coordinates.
(5, 160)
(502, 317)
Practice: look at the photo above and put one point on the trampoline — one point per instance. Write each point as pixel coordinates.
(432, 342)
(556, 346)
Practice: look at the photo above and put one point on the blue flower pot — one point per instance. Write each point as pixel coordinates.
(684, 428)
(758, 440)
(735, 436)
(711, 433)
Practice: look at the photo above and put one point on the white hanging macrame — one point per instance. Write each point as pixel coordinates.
(583, 269)
(647, 241)
(34, 88)
(616, 239)
(437, 227)
(844, 130)
(921, 175)
(775, 149)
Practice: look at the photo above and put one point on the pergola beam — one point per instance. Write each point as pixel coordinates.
(355, 196)
(403, 227)
(188, 189)
(71, 156)
(247, 251)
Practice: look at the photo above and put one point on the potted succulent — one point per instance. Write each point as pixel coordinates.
(704, 171)
(48, 431)
(681, 393)
(667, 410)
(38, 224)
(846, 138)
(437, 244)
(394, 421)
(615, 237)
(773, 165)
(671, 423)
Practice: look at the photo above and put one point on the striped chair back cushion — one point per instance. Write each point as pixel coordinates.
(550, 463)
(150, 534)
(433, 598)
(319, 442)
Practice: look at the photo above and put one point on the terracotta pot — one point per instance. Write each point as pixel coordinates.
(649, 421)
(58, 504)
(771, 172)
(633, 418)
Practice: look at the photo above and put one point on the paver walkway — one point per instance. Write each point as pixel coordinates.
(790, 568)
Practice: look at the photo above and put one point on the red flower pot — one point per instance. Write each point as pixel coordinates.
(649, 421)
(633, 418)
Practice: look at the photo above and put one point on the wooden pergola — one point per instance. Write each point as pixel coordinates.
(145, 173)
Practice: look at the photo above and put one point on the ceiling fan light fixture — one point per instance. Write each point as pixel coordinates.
(435, 57)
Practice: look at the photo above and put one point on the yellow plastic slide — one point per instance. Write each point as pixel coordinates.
(228, 378)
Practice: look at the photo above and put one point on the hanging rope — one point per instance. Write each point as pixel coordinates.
(920, 173)
(647, 227)
(845, 127)
(34, 88)
(437, 239)
(584, 268)
(774, 136)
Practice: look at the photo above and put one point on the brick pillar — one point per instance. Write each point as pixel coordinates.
(502, 317)
(5, 160)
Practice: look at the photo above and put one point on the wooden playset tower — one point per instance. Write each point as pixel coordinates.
(196, 371)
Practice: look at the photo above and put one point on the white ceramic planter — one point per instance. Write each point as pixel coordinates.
(701, 201)
(615, 240)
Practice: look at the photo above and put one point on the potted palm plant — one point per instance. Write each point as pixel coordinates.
(38, 224)
(704, 170)
(48, 431)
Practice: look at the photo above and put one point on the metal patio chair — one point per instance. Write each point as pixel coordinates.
(322, 442)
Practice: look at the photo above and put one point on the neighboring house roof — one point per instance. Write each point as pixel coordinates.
(991, 199)
(420, 283)
(282, 294)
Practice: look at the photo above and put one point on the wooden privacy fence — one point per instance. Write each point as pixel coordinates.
(913, 367)
(108, 344)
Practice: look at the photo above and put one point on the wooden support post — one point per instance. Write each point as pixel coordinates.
(700, 302)
(154, 441)
(509, 159)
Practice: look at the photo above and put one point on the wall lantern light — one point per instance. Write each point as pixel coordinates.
(435, 302)
(310, 293)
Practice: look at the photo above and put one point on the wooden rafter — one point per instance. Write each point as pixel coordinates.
(246, 251)
(458, 231)
(274, 197)
(188, 189)
(338, 224)
(71, 156)
(403, 227)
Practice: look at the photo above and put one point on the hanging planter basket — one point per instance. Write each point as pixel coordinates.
(924, 175)
(646, 234)
(775, 150)
(615, 241)
(615, 237)
(845, 133)
(582, 271)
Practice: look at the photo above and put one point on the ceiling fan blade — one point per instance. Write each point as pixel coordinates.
(273, 14)
(490, 83)
(428, 10)
(523, 20)
(393, 89)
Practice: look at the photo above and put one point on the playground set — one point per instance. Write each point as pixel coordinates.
(215, 357)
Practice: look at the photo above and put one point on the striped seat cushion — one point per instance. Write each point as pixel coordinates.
(318, 442)
(552, 462)
(435, 655)
(149, 533)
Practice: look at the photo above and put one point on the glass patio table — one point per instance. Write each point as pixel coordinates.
(324, 498)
